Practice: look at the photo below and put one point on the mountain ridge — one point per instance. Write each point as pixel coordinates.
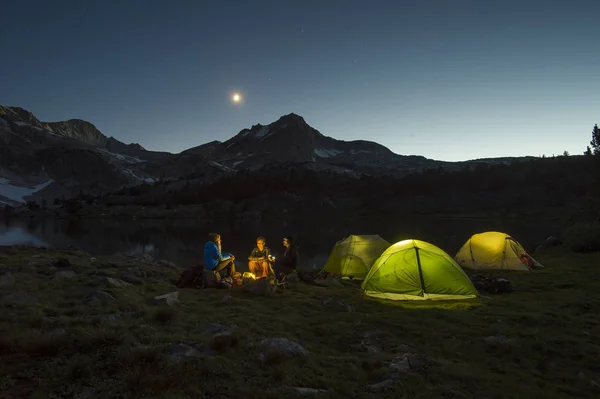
(73, 156)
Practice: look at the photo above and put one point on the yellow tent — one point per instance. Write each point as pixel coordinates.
(417, 270)
(493, 250)
(354, 255)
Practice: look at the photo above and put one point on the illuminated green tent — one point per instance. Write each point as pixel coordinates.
(417, 270)
(354, 255)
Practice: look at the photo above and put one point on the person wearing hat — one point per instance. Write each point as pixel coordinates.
(289, 261)
(215, 260)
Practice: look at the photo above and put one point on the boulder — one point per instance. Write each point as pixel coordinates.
(111, 282)
(410, 361)
(282, 348)
(167, 299)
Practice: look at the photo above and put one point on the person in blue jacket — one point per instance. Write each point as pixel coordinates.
(215, 260)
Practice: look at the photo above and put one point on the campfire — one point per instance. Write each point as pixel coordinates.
(248, 276)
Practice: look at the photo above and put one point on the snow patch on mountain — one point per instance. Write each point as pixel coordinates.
(222, 167)
(125, 158)
(262, 132)
(327, 153)
(129, 172)
(18, 193)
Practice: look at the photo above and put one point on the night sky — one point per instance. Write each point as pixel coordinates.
(447, 79)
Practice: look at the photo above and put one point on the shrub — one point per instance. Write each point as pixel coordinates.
(583, 237)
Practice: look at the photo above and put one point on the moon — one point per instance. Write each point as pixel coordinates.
(236, 97)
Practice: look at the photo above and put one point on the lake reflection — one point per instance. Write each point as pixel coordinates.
(182, 240)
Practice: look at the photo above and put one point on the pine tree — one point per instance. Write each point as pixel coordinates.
(595, 143)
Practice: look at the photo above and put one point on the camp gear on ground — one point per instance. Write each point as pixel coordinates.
(492, 285)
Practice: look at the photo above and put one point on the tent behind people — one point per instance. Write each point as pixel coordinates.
(354, 255)
(417, 270)
(493, 250)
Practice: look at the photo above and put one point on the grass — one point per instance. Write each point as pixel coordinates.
(52, 349)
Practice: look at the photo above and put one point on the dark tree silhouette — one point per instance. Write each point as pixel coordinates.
(595, 143)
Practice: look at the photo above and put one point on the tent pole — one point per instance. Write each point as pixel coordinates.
(420, 270)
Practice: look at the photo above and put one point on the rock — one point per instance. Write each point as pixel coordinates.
(495, 340)
(326, 300)
(292, 278)
(167, 299)
(226, 299)
(102, 318)
(62, 262)
(111, 282)
(382, 386)
(131, 279)
(99, 296)
(6, 278)
(65, 274)
(184, 351)
(282, 347)
(20, 297)
(225, 339)
(410, 361)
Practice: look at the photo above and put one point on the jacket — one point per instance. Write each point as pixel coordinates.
(256, 253)
(290, 258)
(212, 255)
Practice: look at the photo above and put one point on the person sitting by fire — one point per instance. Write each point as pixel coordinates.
(289, 261)
(259, 261)
(215, 260)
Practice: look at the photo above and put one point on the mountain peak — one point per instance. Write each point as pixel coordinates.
(291, 119)
(80, 130)
(19, 114)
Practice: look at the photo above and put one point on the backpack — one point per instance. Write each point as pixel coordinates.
(192, 277)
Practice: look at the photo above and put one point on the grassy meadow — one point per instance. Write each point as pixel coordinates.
(75, 330)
